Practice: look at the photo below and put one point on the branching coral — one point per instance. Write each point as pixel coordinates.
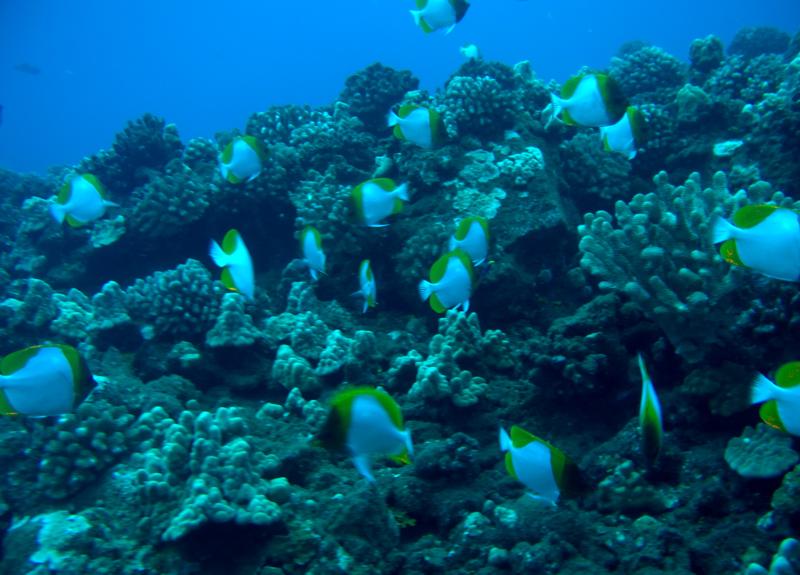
(206, 464)
(182, 302)
(372, 91)
(657, 250)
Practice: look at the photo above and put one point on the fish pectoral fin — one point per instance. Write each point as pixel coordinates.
(362, 465)
(540, 499)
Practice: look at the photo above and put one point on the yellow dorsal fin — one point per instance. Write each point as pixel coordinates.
(406, 109)
(569, 87)
(256, 146)
(227, 153)
(64, 193)
(466, 262)
(92, 179)
(788, 375)
(343, 401)
(15, 361)
(751, 216)
(229, 241)
(521, 437)
(386, 184)
(439, 268)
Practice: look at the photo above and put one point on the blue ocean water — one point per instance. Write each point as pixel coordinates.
(207, 67)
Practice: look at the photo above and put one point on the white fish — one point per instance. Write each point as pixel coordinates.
(432, 15)
(764, 238)
(377, 199)
(43, 380)
(242, 159)
(542, 468)
(626, 135)
(367, 422)
(418, 125)
(781, 400)
(81, 200)
(591, 100)
(367, 287)
(451, 282)
(311, 246)
(236, 263)
(472, 236)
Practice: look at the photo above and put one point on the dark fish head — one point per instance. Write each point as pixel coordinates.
(461, 7)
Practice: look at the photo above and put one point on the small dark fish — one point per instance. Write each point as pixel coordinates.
(485, 269)
(27, 68)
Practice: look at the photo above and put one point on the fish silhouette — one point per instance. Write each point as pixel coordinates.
(28, 68)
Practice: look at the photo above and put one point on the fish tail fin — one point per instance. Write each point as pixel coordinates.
(58, 212)
(763, 389)
(392, 119)
(721, 230)
(218, 254)
(453, 243)
(425, 289)
(409, 443)
(557, 104)
(402, 192)
(505, 440)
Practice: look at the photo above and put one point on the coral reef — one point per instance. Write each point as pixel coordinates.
(755, 41)
(648, 74)
(760, 452)
(372, 91)
(197, 450)
(183, 302)
(674, 290)
(203, 461)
